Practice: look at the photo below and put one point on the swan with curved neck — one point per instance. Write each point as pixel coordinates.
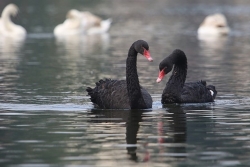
(8, 28)
(215, 24)
(124, 94)
(176, 90)
(78, 22)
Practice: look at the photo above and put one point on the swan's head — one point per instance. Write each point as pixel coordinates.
(166, 65)
(73, 14)
(164, 68)
(12, 9)
(142, 47)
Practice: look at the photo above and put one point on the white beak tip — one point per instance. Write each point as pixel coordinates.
(158, 80)
(150, 59)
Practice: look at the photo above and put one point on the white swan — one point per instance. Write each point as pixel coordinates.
(7, 27)
(215, 24)
(95, 25)
(102, 28)
(78, 22)
(71, 26)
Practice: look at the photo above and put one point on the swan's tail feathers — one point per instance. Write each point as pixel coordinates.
(103, 28)
(95, 93)
(89, 90)
(212, 90)
(92, 94)
(99, 83)
(105, 24)
(203, 83)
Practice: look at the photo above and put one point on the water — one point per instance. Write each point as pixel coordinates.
(46, 119)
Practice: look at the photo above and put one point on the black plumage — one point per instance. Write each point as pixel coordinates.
(124, 94)
(176, 90)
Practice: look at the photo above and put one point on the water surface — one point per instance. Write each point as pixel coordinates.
(46, 119)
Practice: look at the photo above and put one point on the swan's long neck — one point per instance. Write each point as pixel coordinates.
(172, 91)
(133, 86)
(7, 12)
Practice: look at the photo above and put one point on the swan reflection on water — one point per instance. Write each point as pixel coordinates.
(210, 45)
(76, 45)
(10, 46)
(9, 50)
(170, 134)
(132, 128)
(132, 118)
(171, 130)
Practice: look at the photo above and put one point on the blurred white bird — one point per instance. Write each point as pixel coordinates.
(215, 24)
(78, 22)
(7, 27)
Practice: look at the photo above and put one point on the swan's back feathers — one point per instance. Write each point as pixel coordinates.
(197, 92)
(91, 19)
(103, 28)
(215, 24)
(113, 94)
(79, 22)
(110, 94)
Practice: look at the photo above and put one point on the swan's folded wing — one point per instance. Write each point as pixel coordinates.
(110, 94)
(196, 92)
(91, 19)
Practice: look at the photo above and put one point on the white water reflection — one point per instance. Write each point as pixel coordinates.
(77, 45)
(10, 46)
(9, 50)
(212, 45)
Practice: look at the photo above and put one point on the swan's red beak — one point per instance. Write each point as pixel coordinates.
(146, 53)
(160, 76)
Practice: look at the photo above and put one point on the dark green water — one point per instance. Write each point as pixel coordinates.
(46, 119)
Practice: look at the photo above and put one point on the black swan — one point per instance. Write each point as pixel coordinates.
(124, 94)
(176, 90)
